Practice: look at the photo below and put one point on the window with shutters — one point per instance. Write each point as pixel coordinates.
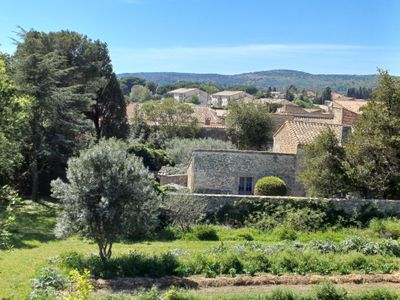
(245, 185)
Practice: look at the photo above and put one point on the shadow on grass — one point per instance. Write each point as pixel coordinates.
(34, 224)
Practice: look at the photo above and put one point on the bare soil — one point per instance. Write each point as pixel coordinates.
(262, 283)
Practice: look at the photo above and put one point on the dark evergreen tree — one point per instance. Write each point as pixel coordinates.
(70, 78)
(327, 94)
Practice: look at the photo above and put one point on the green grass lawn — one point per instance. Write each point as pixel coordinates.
(35, 243)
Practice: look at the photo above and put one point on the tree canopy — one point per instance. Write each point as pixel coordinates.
(368, 164)
(323, 172)
(249, 125)
(14, 116)
(109, 195)
(373, 150)
(170, 117)
(76, 95)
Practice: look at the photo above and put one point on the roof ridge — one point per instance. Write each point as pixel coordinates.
(314, 122)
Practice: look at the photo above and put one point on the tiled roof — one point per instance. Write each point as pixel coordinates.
(288, 109)
(351, 105)
(306, 131)
(228, 93)
(274, 101)
(330, 120)
(182, 90)
(203, 112)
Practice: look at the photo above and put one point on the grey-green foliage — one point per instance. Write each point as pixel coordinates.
(183, 210)
(180, 150)
(109, 195)
(139, 93)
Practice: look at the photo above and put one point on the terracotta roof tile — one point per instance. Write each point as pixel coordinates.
(306, 131)
(351, 105)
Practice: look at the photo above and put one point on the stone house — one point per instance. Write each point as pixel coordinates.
(237, 171)
(347, 111)
(184, 94)
(222, 99)
(294, 133)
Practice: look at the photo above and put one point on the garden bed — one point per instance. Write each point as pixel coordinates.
(199, 282)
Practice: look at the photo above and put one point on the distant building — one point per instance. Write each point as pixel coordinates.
(291, 109)
(206, 116)
(277, 95)
(294, 133)
(184, 95)
(347, 111)
(222, 99)
(237, 171)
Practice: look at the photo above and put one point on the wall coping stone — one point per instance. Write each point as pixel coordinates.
(243, 152)
(222, 196)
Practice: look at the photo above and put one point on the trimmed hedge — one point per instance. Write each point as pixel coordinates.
(271, 186)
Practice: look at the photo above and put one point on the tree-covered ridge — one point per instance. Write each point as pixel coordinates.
(263, 79)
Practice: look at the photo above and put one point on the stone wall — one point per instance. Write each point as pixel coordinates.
(218, 171)
(180, 179)
(213, 132)
(285, 141)
(349, 206)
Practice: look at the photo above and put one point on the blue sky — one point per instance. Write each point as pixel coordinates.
(224, 36)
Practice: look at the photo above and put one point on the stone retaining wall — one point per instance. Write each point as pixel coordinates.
(349, 206)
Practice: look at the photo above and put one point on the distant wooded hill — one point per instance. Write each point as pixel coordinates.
(276, 78)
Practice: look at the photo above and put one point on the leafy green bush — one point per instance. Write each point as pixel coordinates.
(205, 233)
(270, 186)
(245, 236)
(127, 265)
(328, 291)
(283, 294)
(285, 233)
(304, 219)
(386, 228)
(49, 284)
(378, 294)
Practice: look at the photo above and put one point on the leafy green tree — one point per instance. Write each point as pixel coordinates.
(249, 125)
(140, 94)
(323, 173)
(153, 158)
(170, 117)
(252, 90)
(194, 99)
(14, 116)
(373, 149)
(305, 103)
(109, 196)
(127, 83)
(152, 87)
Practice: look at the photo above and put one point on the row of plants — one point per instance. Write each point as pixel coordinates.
(388, 228)
(52, 283)
(323, 291)
(252, 258)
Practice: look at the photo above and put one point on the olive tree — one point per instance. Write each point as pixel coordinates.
(109, 195)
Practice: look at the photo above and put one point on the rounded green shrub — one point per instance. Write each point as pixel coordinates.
(270, 186)
(205, 233)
